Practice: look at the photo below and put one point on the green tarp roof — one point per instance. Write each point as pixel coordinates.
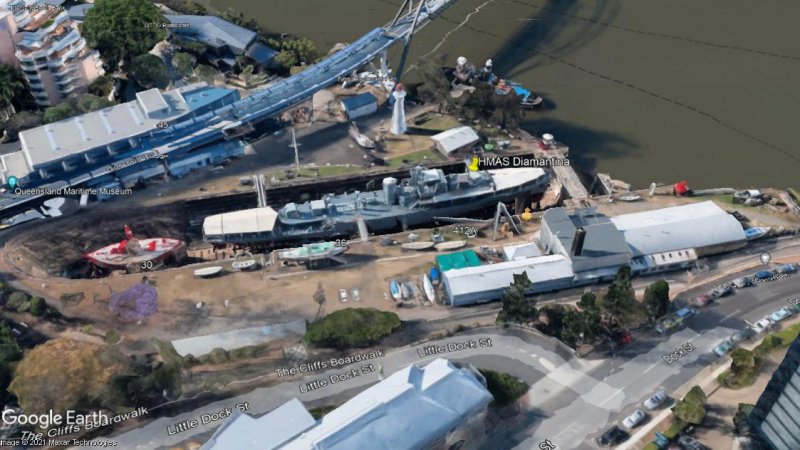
(458, 260)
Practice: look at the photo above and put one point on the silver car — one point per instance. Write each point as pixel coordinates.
(634, 419)
(656, 400)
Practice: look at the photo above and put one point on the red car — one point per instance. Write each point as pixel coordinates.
(703, 300)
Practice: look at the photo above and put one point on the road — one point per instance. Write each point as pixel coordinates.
(582, 413)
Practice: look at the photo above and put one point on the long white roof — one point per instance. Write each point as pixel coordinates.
(679, 227)
(514, 176)
(267, 432)
(255, 220)
(96, 129)
(405, 411)
(455, 138)
(500, 275)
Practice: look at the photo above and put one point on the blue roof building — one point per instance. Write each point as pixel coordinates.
(359, 105)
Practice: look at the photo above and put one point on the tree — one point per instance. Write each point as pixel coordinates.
(292, 52)
(137, 303)
(80, 380)
(504, 388)
(555, 320)
(10, 352)
(86, 103)
(237, 17)
(61, 111)
(478, 104)
(11, 83)
(516, 307)
(102, 86)
(38, 306)
(656, 299)
(588, 302)
(184, 64)
(692, 409)
(740, 424)
(206, 73)
(352, 328)
(21, 121)
(620, 300)
(743, 361)
(434, 88)
(121, 30)
(581, 327)
(507, 110)
(150, 71)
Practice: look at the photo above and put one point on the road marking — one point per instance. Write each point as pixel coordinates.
(730, 315)
(651, 367)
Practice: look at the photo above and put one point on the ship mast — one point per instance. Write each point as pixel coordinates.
(296, 153)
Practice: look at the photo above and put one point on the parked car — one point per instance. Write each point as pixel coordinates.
(685, 313)
(356, 294)
(787, 268)
(763, 325)
(668, 325)
(743, 282)
(723, 348)
(342, 295)
(763, 275)
(689, 443)
(703, 300)
(613, 436)
(656, 399)
(741, 335)
(634, 419)
(722, 291)
(781, 314)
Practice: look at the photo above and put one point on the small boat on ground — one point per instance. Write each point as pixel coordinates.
(208, 272)
(394, 289)
(451, 245)
(434, 275)
(418, 246)
(313, 252)
(248, 264)
(427, 286)
(629, 198)
(134, 254)
(361, 140)
(407, 290)
(754, 233)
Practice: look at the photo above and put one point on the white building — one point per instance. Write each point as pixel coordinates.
(584, 246)
(415, 408)
(455, 139)
(54, 56)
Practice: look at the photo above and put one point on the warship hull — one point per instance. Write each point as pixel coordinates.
(377, 219)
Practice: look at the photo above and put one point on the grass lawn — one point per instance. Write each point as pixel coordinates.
(415, 157)
(407, 143)
(438, 122)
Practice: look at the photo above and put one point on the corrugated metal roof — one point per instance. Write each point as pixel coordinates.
(267, 432)
(358, 101)
(456, 138)
(500, 275)
(680, 227)
(213, 31)
(408, 409)
(458, 260)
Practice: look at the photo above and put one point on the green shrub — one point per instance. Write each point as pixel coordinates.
(675, 429)
(87, 329)
(38, 306)
(244, 352)
(217, 356)
(504, 388)
(113, 337)
(351, 328)
(16, 300)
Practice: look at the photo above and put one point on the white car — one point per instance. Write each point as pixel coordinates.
(763, 325)
(656, 400)
(634, 419)
(342, 295)
(356, 294)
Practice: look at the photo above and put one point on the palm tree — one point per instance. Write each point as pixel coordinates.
(10, 86)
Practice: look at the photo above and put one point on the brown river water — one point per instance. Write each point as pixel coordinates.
(646, 90)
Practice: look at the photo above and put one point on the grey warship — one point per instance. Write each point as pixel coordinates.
(427, 193)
